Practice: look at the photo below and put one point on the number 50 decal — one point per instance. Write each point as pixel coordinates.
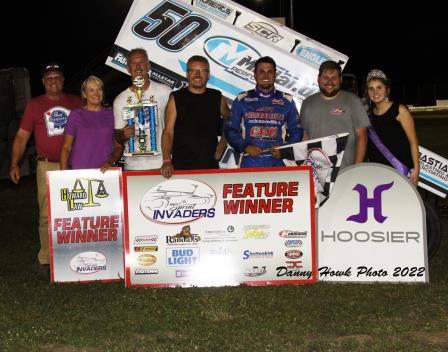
(172, 26)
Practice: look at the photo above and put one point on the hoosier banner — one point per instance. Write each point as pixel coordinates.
(372, 228)
(85, 225)
(216, 228)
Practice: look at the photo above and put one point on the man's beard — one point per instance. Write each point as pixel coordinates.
(266, 86)
(330, 94)
(197, 85)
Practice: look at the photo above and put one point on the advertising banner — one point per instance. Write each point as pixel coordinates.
(85, 221)
(173, 30)
(220, 227)
(274, 33)
(372, 228)
(433, 172)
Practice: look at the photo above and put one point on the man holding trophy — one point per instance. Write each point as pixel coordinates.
(139, 115)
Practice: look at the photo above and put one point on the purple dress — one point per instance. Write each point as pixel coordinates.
(93, 137)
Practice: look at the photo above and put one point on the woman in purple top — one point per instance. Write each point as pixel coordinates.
(88, 136)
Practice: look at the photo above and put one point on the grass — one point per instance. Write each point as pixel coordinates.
(39, 316)
(36, 315)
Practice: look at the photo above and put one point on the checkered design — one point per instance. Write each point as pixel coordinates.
(230, 159)
(323, 154)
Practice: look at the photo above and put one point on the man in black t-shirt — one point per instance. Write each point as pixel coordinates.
(192, 120)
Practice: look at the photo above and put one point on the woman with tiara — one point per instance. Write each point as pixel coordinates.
(392, 137)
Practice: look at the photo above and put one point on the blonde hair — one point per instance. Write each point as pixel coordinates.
(84, 85)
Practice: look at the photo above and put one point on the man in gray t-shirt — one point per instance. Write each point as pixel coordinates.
(333, 111)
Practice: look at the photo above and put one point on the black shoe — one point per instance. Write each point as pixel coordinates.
(43, 269)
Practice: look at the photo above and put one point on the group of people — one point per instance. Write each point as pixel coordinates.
(194, 124)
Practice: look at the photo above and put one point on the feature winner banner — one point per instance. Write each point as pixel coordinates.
(173, 30)
(220, 227)
(85, 212)
(372, 228)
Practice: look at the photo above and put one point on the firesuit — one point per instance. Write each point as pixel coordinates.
(268, 120)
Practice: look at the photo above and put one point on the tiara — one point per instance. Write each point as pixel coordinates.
(375, 73)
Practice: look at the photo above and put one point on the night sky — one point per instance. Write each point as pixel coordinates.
(409, 44)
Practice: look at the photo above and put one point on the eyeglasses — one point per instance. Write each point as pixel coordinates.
(201, 70)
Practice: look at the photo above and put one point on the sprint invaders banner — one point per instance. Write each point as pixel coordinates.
(85, 225)
(216, 228)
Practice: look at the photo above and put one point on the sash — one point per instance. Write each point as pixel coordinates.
(397, 164)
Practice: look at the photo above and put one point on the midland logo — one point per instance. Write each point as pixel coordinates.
(235, 56)
(178, 201)
(238, 58)
(369, 233)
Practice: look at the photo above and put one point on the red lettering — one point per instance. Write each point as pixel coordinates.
(76, 224)
(272, 191)
(251, 206)
(114, 222)
(226, 189)
(237, 189)
(63, 237)
(66, 224)
(293, 189)
(264, 205)
(231, 206)
(258, 206)
(57, 223)
(103, 235)
(276, 205)
(112, 235)
(92, 236)
(287, 205)
(282, 189)
(104, 221)
(260, 187)
(80, 236)
(85, 221)
(248, 190)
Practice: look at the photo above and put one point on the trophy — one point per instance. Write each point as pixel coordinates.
(143, 117)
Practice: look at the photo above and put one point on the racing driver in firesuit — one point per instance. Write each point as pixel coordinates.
(270, 119)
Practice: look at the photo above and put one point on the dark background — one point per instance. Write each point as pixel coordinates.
(408, 43)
